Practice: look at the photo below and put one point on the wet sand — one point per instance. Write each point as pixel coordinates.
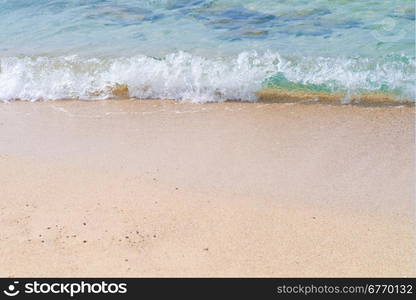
(163, 188)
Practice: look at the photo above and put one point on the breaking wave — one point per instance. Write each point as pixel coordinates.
(189, 77)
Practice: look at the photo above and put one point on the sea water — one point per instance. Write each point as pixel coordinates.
(205, 50)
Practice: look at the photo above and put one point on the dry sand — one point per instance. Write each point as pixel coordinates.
(162, 188)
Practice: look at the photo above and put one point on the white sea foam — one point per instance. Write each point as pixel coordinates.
(194, 78)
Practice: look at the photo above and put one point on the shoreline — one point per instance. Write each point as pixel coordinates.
(265, 96)
(220, 189)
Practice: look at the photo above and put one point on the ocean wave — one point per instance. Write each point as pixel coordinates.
(189, 77)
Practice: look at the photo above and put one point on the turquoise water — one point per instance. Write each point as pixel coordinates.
(205, 50)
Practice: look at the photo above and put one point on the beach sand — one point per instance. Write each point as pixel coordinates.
(165, 188)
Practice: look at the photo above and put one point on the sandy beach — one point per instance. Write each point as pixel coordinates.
(165, 188)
